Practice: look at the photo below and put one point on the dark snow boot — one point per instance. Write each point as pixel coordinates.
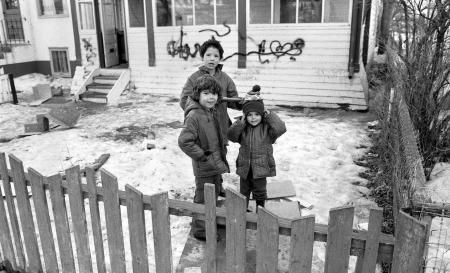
(260, 203)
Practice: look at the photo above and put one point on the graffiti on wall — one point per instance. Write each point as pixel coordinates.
(276, 48)
(89, 51)
(183, 51)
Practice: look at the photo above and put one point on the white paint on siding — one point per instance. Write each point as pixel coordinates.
(317, 77)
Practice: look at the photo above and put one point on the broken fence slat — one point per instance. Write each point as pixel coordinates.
(136, 225)
(235, 231)
(161, 233)
(409, 244)
(43, 220)
(211, 228)
(113, 222)
(302, 242)
(372, 242)
(26, 217)
(79, 224)
(267, 242)
(95, 220)
(339, 240)
(61, 224)
(6, 242)
(12, 213)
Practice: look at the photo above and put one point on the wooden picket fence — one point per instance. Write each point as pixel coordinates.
(404, 253)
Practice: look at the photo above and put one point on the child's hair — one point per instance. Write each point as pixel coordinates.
(206, 82)
(211, 43)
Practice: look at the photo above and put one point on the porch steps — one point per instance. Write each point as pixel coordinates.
(98, 90)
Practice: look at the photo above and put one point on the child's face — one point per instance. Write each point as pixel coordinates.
(211, 58)
(254, 118)
(207, 99)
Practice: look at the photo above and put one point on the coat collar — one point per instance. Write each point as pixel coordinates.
(218, 68)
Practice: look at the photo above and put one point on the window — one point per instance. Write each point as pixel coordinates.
(59, 61)
(12, 4)
(336, 11)
(195, 12)
(136, 13)
(86, 12)
(52, 8)
(13, 21)
(298, 11)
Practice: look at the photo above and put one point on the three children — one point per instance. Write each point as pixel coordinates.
(206, 133)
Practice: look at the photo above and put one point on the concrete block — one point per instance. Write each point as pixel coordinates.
(42, 91)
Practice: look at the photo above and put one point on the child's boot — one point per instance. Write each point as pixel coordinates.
(260, 203)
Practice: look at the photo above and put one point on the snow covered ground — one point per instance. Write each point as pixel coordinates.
(316, 153)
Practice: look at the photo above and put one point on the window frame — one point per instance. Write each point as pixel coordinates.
(86, 30)
(62, 74)
(65, 14)
(155, 12)
(296, 15)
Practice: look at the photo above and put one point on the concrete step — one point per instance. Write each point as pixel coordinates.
(92, 96)
(106, 79)
(99, 87)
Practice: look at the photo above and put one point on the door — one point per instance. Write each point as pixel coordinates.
(109, 33)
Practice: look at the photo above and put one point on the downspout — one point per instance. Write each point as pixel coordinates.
(98, 30)
(76, 34)
(242, 34)
(355, 35)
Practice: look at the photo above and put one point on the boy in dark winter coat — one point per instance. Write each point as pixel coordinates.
(202, 140)
(212, 53)
(256, 131)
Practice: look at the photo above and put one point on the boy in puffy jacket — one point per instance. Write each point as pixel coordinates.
(201, 139)
(256, 131)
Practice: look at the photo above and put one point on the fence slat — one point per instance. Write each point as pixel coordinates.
(409, 245)
(302, 242)
(339, 240)
(5, 236)
(267, 242)
(136, 225)
(161, 232)
(12, 213)
(26, 217)
(43, 220)
(79, 224)
(235, 233)
(372, 243)
(95, 220)
(113, 219)
(61, 223)
(211, 228)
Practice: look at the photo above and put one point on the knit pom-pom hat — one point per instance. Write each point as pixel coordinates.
(253, 102)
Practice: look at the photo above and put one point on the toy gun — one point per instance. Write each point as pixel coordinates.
(251, 95)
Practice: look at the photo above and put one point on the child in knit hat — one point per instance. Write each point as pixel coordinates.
(256, 131)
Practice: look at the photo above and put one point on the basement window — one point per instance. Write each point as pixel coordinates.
(59, 61)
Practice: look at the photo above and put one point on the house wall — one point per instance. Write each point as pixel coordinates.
(318, 77)
(41, 33)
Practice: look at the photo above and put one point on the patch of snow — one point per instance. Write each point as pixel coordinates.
(316, 154)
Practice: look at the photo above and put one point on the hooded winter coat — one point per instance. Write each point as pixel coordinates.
(228, 90)
(201, 139)
(256, 149)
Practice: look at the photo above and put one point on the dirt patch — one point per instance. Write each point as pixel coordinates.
(129, 133)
